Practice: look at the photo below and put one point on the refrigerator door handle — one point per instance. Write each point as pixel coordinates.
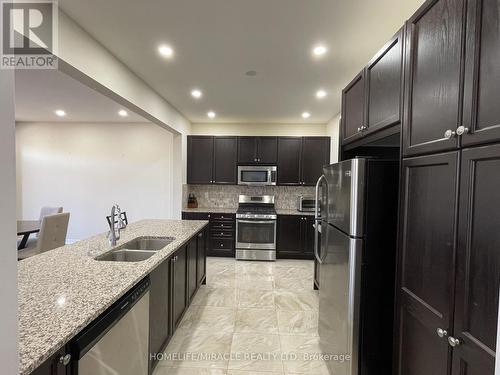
(317, 218)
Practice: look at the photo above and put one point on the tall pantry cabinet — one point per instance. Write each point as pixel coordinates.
(449, 238)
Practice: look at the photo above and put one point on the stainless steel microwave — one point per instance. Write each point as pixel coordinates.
(257, 175)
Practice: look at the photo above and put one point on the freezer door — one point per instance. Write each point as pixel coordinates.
(339, 302)
(346, 185)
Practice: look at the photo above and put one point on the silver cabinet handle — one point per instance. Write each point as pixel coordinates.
(449, 134)
(454, 342)
(441, 332)
(65, 360)
(461, 130)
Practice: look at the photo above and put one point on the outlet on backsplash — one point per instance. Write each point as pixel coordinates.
(226, 196)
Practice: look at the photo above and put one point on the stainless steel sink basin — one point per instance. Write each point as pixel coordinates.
(147, 243)
(136, 250)
(126, 255)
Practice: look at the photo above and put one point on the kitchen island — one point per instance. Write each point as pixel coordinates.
(61, 291)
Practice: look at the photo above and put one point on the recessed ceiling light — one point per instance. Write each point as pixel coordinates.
(320, 94)
(166, 51)
(123, 113)
(196, 93)
(60, 113)
(306, 115)
(211, 114)
(319, 50)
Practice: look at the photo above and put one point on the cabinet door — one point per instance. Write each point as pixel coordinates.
(225, 156)
(383, 85)
(433, 76)
(315, 154)
(247, 150)
(478, 258)
(202, 257)
(200, 159)
(54, 365)
(308, 236)
(353, 109)
(192, 262)
(482, 73)
(267, 150)
(289, 158)
(179, 286)
(288, 237)
(159, 309)
(426, 265)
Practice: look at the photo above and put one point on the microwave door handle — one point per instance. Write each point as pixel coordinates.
(317, 219)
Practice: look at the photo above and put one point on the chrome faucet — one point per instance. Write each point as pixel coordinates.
(114, 229)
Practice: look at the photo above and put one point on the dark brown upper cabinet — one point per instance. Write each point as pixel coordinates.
(315, 154)
(257, 150)
(289, 160)
(434, 61)
(427, 269)
(478, 262)
(301, 159)
(200, 160)
(225, 155)
(353, 109)
(481, 121)
(383, 89)
(212, 160)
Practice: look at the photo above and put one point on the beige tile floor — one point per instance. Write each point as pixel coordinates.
(251, 318)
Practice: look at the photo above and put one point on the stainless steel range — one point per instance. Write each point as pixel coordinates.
(256, 228)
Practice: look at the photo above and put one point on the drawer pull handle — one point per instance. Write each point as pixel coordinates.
(441, 332)
(454, 342)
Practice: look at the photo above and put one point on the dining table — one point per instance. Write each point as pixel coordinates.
(25, 228)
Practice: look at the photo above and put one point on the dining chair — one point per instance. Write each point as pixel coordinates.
(52, 234)
(46, 210)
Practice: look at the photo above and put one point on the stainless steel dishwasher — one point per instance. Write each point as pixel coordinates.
(117, 342)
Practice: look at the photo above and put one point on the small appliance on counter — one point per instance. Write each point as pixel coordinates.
(306, 203)
(192, 201)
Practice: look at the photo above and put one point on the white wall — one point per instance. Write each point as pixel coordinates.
(332, 130)
(87, 167)
(9, 360)
(258, 129)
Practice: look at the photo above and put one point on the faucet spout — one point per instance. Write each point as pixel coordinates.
(114, 229)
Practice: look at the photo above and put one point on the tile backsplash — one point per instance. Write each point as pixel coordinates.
(226, 196)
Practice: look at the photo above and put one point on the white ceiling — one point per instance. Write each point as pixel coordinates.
(41, 92)
(217, 41)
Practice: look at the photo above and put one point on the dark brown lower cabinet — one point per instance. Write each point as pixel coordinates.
(221, 235)
(179, 300)
(478, 262)
(159, 310)
(295, 237)
(55, 365)
(192, 263)
(201, 269)
(427, 250)
(449, 264)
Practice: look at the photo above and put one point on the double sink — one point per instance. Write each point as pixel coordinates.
(136, 250)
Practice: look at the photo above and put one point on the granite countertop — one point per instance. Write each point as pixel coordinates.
(215, 210)
(61, 291)
(280, 211)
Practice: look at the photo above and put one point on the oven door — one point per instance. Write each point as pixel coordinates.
(256, 234)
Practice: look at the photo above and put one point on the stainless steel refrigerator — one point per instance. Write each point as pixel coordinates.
(355, 244)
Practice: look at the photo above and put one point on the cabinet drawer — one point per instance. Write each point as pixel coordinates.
(221, 244)
(222, 225)
(195, 216)
(221, 233)
(224, 217)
